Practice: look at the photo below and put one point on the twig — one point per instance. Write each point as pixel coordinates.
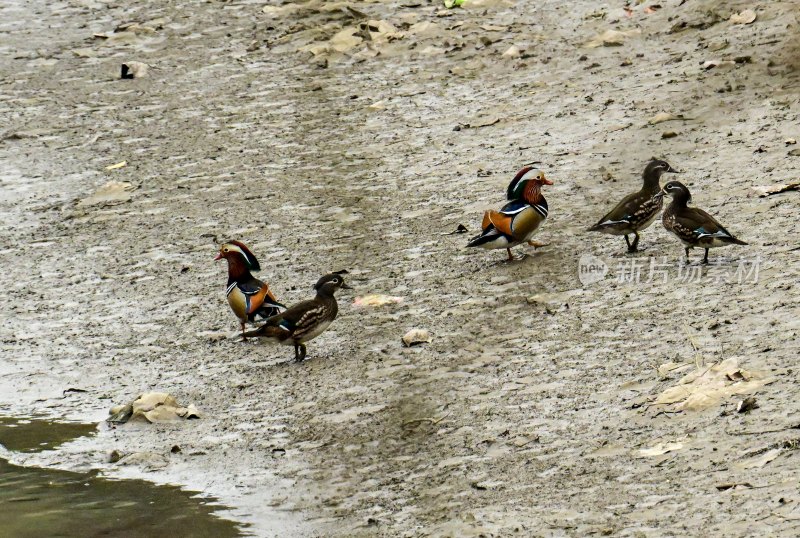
(762, 431)
(697, 354)
(425, 419)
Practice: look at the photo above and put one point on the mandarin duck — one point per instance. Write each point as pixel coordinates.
(518, 220)
(305, 320)
(247, 296)
(638, 210)
(693, 226)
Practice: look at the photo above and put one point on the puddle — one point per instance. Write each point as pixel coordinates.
(37, 502)
(34, 435)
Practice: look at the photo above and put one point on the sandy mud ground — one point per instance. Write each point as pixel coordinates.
(355, 135)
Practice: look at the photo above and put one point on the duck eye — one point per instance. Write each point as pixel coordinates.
(224, 250)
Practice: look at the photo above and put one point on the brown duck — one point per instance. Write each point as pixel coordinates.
(638, 210)
(693, 226)
(305, 320)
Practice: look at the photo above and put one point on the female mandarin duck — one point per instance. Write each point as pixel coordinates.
(518, 220)
(248, 296)
(693, 226)
(638, 210)
(305, 320)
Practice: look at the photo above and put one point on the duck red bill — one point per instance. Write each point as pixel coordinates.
(218, 256)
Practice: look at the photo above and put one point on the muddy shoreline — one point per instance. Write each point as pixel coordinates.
(532, 410)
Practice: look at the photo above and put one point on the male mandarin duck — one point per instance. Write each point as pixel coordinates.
(248, 296)
(693, 226)
(638, 210)
(305, 320)
(518, 220)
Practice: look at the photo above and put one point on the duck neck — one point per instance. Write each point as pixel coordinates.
(533, 193)
(681, 199)
(650, 180)
(237, 270)
(325, 294)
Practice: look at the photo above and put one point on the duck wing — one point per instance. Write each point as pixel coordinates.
(698, 224)
(258, 298)
(630, 210)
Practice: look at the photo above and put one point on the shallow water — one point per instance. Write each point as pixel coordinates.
(37, 502)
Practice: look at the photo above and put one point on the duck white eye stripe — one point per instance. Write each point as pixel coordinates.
(530, 174)
(234, 248)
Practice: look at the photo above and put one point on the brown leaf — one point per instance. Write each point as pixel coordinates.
(415, 337)
(611, 38)
(767, 190)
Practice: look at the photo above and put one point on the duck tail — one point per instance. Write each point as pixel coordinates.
(480, 240)
(265, 331)
(738, 241)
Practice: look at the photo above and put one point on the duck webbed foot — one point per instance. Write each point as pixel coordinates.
(537, 244)
(299, 352)
(633, 247)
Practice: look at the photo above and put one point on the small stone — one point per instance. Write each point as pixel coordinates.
(746, 405)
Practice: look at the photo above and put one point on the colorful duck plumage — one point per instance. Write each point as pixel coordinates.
(305, 320)
(638, 210)
(517, 221)
(247, 296)
(693, 226)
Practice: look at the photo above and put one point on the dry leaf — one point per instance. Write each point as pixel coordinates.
(277, 12)
(746, 405)
(611, 38)
(134, 70)
(345, 40)
(415, 337)
(710, 64)
(671, 367)
(85, 53)
(733, 485)
(112, 193)
(381, 32)
(766, 190)
(745, 17)
(661, 117)
(460, 229)
(153, 407)
(376, 299)
(424, 27)
(761, 461)
(20, 135)
(512, 52)
(659, 449)
(706, 387)
(118, 165)
(483, 122)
